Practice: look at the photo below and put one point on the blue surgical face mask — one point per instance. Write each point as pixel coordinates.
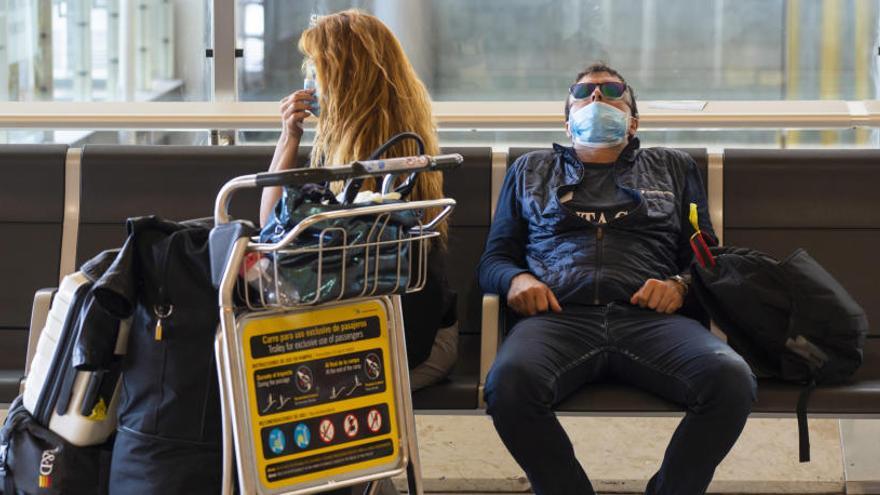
(311, 82)
(598, 125)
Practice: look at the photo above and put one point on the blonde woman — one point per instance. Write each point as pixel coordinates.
(367, 92)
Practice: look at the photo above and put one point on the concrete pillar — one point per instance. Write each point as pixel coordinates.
(79, 47)
(189, 61)
(127, 50)
(114, 45)
(411, 22)
(649, 40)
(4, 51)
(144, 28)
(164, 20)
(43, 59)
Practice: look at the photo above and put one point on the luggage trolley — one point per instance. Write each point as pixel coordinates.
(313, 376)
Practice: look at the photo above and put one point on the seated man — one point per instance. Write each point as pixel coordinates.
(589, 245)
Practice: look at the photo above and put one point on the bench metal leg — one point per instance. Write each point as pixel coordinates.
(861, 462)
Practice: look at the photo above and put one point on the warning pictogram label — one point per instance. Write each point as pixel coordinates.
(304, 379)
(372, 366)
(350, 425)
(276, 441)
(374, 420)
(302, 436)
(326, 431)
(319, 381)
(309, 373)
(321, 432)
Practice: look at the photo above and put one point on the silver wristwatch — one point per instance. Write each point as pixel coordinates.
(682, 282)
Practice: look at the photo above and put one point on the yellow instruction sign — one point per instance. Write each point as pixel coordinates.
(320, 393)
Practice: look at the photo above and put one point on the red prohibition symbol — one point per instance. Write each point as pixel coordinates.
(326, 431)
(350, 425)
(374, 420)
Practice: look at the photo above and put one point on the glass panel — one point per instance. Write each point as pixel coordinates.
(511, 50)
(75, 50)
(682, 138)
(269, 30)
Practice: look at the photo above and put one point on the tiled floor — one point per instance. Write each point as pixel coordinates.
(462, 455)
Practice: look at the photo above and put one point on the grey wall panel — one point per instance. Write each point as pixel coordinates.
(849, 255)
(94, 238)
(32, 183)
(701, 156)
(176, 182)
(29, 258)
(13, 348)
(471, 186)
(801, 188)
(466, 244)
(514, 153)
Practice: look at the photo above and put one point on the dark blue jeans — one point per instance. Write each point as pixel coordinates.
(549, 356)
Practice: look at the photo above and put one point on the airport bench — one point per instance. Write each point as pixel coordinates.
(31, 219)
(772, 200)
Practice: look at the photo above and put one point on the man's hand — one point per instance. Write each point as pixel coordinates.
(294, 109)
(529, 296)
(663, 296)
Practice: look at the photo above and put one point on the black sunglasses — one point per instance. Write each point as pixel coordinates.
(612, 90)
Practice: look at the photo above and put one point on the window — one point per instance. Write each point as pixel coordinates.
(92, 50)
(509, 50)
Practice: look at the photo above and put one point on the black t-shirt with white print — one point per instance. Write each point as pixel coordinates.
(597, 198)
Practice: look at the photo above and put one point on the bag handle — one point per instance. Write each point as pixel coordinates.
(352, 186)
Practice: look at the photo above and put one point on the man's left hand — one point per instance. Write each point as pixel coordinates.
(663, 296)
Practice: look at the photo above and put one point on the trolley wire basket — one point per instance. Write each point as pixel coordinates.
(363, 251)
(343, 251)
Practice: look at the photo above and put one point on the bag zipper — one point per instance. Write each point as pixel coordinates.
(600, 247)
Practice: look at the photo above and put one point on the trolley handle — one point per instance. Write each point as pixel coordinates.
(447, 205)
(362, 168)
(298, 176)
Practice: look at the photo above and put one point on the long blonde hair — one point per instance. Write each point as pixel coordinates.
(369, 92)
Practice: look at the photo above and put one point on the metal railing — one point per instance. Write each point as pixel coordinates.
(534, 115)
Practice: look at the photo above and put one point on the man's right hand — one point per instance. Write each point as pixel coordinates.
(294, 109)
(529, 296)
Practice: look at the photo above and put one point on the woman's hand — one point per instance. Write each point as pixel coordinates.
(294, 109)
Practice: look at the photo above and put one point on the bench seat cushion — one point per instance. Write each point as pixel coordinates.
(459, 390)
(861, 396)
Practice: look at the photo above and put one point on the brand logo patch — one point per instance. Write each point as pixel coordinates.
(47, 465)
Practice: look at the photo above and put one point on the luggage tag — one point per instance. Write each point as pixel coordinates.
(698, 242)
(161, 311)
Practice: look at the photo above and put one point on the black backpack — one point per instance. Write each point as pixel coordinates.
(34, 460)
(169, 435)
(788, 319)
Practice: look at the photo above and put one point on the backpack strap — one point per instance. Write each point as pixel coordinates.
(8, 483)
(803, 430)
